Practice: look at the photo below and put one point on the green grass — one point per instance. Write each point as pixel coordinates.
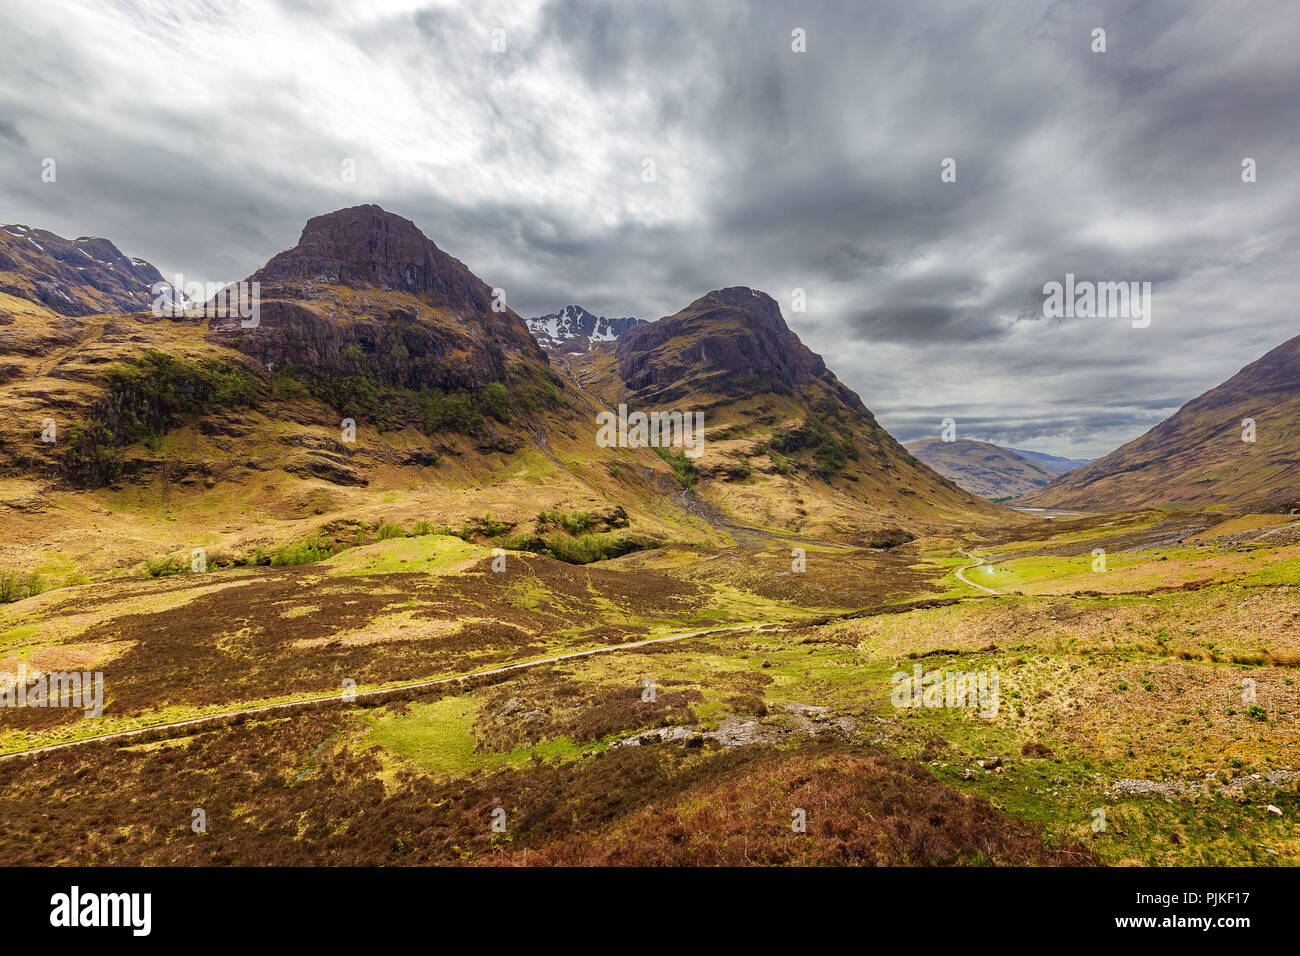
(426, 553)
(439, 737)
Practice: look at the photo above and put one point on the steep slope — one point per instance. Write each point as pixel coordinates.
(378, 384)
(74, 276)
(574, 329)
(1196, 458)
(980, 467)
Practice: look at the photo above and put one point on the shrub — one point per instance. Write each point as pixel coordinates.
(574, 522)
(830, 454)
(162, 567)
(15, 587)
(585, 549)
(145, 399)
(682, 467)
(308, 551)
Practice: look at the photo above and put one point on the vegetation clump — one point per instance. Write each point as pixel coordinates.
(682, 466)
(145, 399)
(830, 453)
(16, 587)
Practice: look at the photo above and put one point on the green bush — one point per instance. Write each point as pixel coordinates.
(308, 551)
(15, 587)
(829, 453)
(574, 522)
(584, 549)
(685, 470)
(163, 567)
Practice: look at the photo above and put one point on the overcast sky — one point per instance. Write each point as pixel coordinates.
(201, 135)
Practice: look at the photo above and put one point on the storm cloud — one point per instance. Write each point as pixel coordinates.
(519, 135)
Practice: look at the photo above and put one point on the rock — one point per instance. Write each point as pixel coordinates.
(509, 707)
(767, 663)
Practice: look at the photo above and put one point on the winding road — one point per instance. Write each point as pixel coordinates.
(965, 580)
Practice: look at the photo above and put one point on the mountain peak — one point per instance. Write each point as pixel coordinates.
(368, 247)
(727, 335)
(573, 329)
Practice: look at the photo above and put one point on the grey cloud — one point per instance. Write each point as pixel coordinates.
(936, 324)
(9, 131)
(776, 170)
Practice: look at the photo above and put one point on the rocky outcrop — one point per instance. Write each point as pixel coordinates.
(367, 247)
(399, 345)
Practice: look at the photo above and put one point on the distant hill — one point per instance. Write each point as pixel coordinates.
(983, 468)
(1196, 458)
(1053, 462)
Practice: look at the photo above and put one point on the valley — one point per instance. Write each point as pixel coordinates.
(366, 586)
(1121, 692)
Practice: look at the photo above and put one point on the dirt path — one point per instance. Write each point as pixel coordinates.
(337, 698)
(965, 580)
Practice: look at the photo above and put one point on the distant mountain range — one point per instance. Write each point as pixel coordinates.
(1197, 457)
(574, 330)
(989, 470)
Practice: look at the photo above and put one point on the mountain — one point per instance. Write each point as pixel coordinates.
(366, 293)
(81, 276)
(574, 329)
(983, 468)
(1196, 458)
(379, 382)
(790, 447)
(1053, 463)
